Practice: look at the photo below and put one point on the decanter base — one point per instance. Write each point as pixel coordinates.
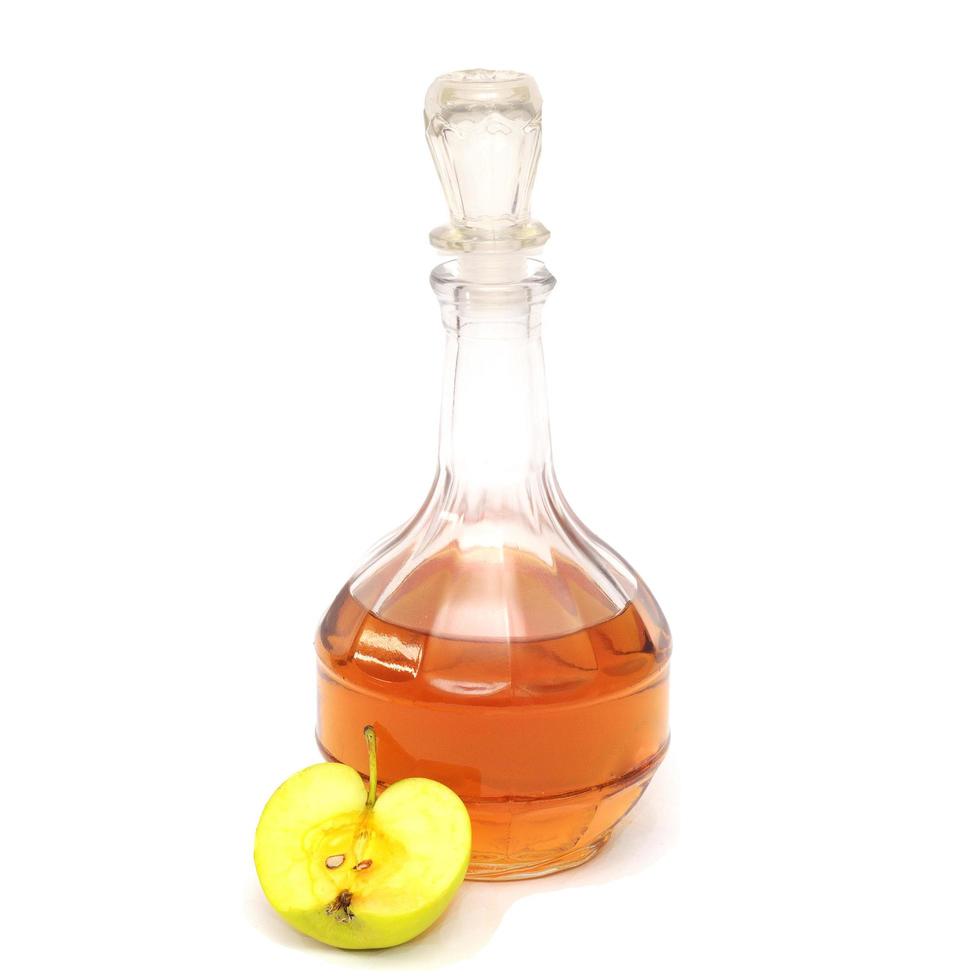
(479, 871)
(554, 834)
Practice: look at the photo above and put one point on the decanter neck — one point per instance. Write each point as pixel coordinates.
(494, 435)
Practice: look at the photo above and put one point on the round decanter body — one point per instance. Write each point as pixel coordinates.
(548, 735)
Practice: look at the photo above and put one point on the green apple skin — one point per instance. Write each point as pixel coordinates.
(415, 841)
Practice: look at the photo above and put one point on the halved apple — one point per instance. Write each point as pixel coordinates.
(356, 871)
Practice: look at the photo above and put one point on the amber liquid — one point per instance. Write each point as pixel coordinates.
(548, 739)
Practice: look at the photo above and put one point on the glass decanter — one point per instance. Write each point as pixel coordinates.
(494, 642)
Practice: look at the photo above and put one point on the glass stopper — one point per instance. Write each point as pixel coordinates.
(484, 131)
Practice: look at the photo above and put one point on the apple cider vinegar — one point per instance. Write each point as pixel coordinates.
(495, 643)
(548, 739)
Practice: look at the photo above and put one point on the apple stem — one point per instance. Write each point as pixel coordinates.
(372, 744)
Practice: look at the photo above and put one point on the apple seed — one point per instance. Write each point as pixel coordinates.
(336, 861)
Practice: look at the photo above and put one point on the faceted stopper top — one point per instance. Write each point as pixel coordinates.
(484, 131)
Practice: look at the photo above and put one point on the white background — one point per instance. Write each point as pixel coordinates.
(219, 384)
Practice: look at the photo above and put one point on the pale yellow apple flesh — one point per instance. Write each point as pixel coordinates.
(356, 873)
